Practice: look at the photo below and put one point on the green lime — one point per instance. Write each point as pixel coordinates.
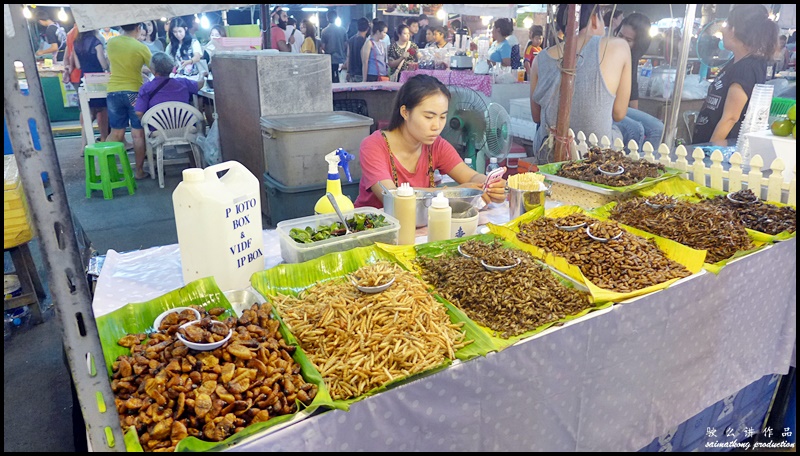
(791, 114)
(782, 127)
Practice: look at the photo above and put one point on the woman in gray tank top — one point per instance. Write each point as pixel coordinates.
(595, 97)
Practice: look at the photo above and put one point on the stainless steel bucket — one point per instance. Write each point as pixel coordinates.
(424, 196)
(522, 201)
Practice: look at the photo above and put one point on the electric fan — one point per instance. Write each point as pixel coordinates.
(498, 132)
(709, 47)
(466, 123)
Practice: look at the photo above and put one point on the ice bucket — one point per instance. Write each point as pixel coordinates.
(522, 201)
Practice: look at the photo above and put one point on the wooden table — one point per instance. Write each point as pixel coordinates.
(32, 290)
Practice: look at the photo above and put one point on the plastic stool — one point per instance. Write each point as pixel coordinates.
(108, 155)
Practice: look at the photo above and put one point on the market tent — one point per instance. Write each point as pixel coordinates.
(90, 17)
(500, 10)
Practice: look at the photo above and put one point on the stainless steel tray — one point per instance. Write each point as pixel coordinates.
(584, 185)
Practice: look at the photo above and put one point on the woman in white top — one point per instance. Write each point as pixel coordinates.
(185, 49)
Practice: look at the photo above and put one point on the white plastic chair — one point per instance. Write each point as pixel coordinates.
(175, 123)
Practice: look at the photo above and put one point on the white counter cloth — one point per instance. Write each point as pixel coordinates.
(611, 381)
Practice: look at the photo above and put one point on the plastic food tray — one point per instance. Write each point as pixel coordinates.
(295, 252)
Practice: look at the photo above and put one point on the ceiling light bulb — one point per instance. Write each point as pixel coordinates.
(441, 14)
(485, 20)
(653, 30)
(338, 22)
(314, 19)
(163, 19)
(62, 15)
(26, 12)
(204, 22)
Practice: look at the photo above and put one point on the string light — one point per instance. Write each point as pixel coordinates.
(62, 15)
(26, 12)
(527, 22)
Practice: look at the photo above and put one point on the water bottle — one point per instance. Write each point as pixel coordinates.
(492, 165)
(468, 162)
(644, 78)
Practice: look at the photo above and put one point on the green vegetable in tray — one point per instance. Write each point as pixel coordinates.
(359, 222)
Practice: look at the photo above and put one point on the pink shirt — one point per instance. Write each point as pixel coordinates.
(276, 34)
(375, 166)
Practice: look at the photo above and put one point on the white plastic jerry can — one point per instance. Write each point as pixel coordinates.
(219, 225)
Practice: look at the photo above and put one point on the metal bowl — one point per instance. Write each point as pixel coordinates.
(242, 300)
(599, 239)
(424, 196)
(617, 172)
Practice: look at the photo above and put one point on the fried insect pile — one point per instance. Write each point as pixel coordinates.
(510, 302)
(361, 341)
(168, 391)
(624, 264)
(700, 226)
(756, 214)
(610, 160)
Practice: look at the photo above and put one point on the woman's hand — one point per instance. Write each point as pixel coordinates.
(496, 192)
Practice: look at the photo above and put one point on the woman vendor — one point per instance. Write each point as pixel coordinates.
(752, 37)
(412, 142)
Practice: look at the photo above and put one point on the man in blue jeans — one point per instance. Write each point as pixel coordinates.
(128, 58)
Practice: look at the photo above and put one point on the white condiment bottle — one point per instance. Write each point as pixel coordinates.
(405, 209)
(439, 216)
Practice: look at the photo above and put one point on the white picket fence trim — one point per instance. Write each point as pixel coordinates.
(772, 188)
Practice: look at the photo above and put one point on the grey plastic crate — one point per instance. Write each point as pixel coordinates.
(295, 145)
(283, 202)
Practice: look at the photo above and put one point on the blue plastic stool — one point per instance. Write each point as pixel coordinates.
(109, 155)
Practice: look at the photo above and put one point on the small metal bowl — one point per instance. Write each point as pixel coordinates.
(659, 206)
(615, 173)
(204, 347)
(571, 228)
(500, 268)
(734, 200)
(373, 290)
(462, 253)
(599, 239)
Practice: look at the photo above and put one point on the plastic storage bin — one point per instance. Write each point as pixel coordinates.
(282, 202)
(17, 226)
(295, 145)
(295, 252)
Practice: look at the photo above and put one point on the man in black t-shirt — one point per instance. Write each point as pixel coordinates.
(421, 38)
(353, 63)
(54, 35)
(747, 72)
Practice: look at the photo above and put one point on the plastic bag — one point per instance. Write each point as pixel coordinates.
(694, 87)
(209, 144)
